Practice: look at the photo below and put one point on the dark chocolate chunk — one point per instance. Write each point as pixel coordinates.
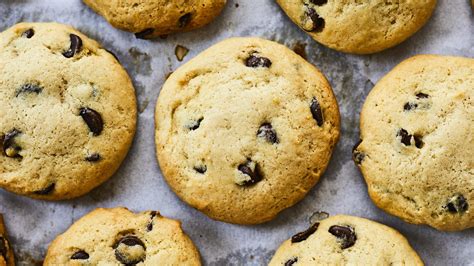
(149, 227)
(80, 255)
(357, 155)
(76, 46)
(93, 120)
(345, 234)
(406, 138)
(94, 157)
(422, 95)
(255, 61)
(255, 174)
(29, 88)
(200, 169)
(10, 147)
(267, 132)
(457, 204)
(28, 33)
(124, 256)
(195, 124)
(313, 22)
(46, 190)
(418, 141)
(410, 106)
(302, 236)
(291, 261)
(316, 111)
(184, 20)
(319, 2)
(144, 33)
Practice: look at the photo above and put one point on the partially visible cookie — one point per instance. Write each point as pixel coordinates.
(417, 142)
(346, 240)
(360, 27)
(245, 129)
(152, 18)
(6, 252)
(120, 237)
(67, 112)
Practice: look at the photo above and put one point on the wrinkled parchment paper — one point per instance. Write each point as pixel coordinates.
(139, 185)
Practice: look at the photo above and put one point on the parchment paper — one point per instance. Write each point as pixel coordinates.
(139, 185)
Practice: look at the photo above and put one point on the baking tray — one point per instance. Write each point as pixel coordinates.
(139, 184)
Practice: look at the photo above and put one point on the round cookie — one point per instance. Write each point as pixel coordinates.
(359, 27)
(118, 236)
(152, 18)
(417, 148)
(67, 110)
(245, 130)
(346, 240)
(6, 252)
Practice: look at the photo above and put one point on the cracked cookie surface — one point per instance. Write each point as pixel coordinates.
(418, 162)
(6, 252)
(152, 18)
(359, 26)
(346, 240)
(245, 130)
(120, 237)
(67, 110)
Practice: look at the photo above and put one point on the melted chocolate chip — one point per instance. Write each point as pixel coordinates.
(122, 253)
(80, 255)
(94, 157)
(255, 174)
(200, 169)
(46, 190)
(410, 106)
(422, 95)
(10, 147)
(93, 120)
(418, 141)
(196, 124)
(28, 33)
(406, 138)
(313, 22)
(345, 234)
(316, 111)
(144, 33)
(457, 204)
(291, 261)
(149, 227)
(302, 236)
(357, 155)
(29, 88)
(257, 61)
(319, 2)
(76, 46)
(184, 20)
(267, 132)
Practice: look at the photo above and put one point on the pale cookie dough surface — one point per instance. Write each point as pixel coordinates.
(417, 149)
(152, 18)
(6, 252)
(120, 237)
(245, 130)
(359, 26)
(346, 240)
(67, 112)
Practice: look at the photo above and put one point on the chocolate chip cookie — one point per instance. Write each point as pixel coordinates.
(346, 240)
(120, 237)
(149, 19)
(6, 252)
(417, 142)
(360, 27)
(67, 112)
(245, 130)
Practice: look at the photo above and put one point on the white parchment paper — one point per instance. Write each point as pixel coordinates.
(139, 185)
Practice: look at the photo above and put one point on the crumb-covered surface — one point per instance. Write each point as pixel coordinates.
(139, 185)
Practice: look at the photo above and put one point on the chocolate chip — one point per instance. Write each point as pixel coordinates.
(93, 120)
(29, 88)
(28, 33)
(200, 169)
(196, 124)
(255, 61)
(254, 174)
(76, 46)
(316, 111)
(406, 138)
(46, 190)
(80, 255)
(123, 254)
(291, 261)
(10, 146)
(357, 155)
(422, 95)
(144, 33)
(149, 227)
(345, 234)
(457, 204)
(312, 21)
(319, 2)
(184, 20)
(266, 131)
(418, 141)
(3, 247)
(94, 157)
(410, 106)
(302, 236)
